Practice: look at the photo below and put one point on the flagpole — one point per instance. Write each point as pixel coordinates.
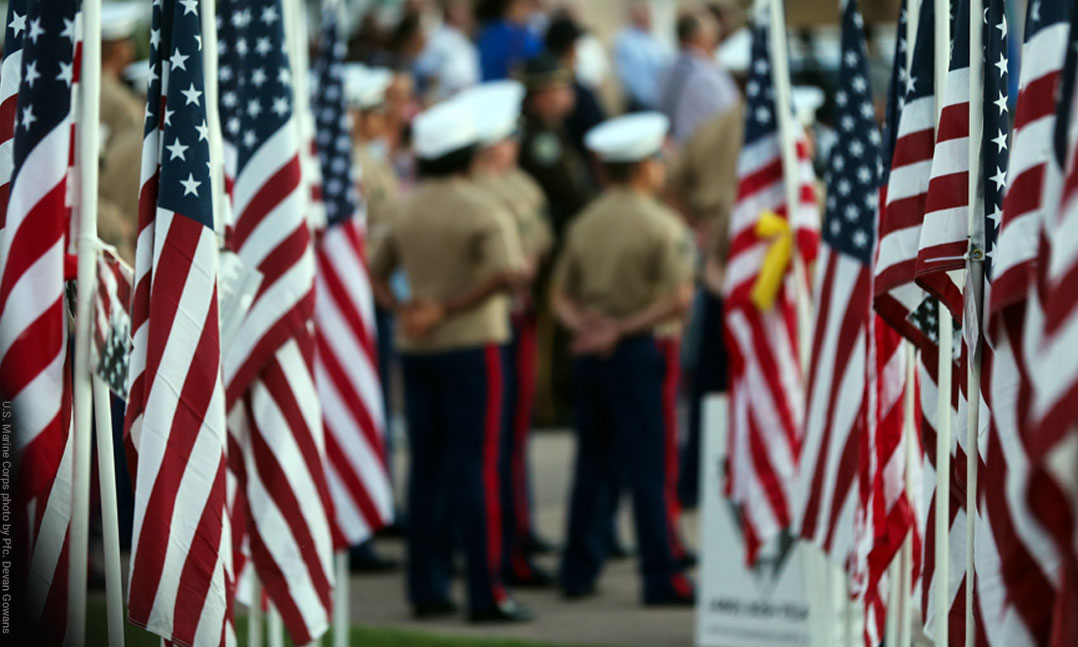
(254, 610)
(816, 566)
(975, 282)
(944, 382)
(213, 118)
(274, 627)
(110, 526)
(88, 137)
(905, 626)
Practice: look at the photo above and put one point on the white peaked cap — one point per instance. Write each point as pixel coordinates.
(119, 19)
(138, 74)
(807, 99)
(630, 138)
(443, 129)
(735, 53)
(365, 87)
(495, 106)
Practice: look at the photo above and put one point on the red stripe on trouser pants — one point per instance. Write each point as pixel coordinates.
(493, 427)
(524, 364)
(671, 352)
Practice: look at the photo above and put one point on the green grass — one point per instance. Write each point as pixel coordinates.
(97, 632)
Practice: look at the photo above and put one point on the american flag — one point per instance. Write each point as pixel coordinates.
(897, 296)
(180, 572)
(34, 368)
(276, 444)
(112, 320)
(944, 236)
(766, 390)
(837, 418)
(346, 363)
(1051, 347)
(1021, 588)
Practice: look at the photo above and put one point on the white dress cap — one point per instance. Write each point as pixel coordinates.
(735, 53)
(447, 127)
(365, 87)
(630, 138)
(138, 74)
(495, 106)
(119, 19)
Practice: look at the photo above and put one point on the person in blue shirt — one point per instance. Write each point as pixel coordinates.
(640, 60)
(504, 41)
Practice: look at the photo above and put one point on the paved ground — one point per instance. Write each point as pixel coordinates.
(614, 617)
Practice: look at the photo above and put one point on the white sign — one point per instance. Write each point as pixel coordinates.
(764, 606)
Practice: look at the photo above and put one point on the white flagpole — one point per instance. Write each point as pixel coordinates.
(274, 627)
(110, 527)
(905, 626)
(254, 611)
(943, 409)
(341, 603)
(88, 136)
(825, 587)
(976, 283)
(213, 118)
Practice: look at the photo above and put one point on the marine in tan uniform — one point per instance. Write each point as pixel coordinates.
(123, 118)
(462, 259)
(496, 107)
(626, 268)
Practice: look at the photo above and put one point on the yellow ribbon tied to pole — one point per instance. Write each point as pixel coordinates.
(772, 227)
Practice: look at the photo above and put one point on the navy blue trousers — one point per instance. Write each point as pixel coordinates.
(453, 402)
(621, 437)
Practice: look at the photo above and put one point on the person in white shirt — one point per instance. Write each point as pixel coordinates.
(450, 61)
(640, 59)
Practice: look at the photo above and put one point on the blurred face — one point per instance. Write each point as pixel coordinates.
(398, 96)
(553, 103)
(370, 124)
(117, 54)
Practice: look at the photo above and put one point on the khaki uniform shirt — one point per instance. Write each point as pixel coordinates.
(380, 189)
(705, 176)
(122, 119)
(525, 201)
(624, 252)
(448, 237)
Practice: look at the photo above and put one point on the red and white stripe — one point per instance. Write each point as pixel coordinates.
(1051, 348)
(1017, 580)
(837, 417)
(944, 237)
(34, 369)
(346, 372)
(897, 295)
(113, 296)
(766, 391)
(268, 372)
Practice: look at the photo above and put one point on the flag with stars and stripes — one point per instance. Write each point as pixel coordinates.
(1021, 588)
(346, 361)
(179, 582)
(767, 398)
(276, 442)
(112, 320)
(1051, 342)
(35, 373)
(897, 296)
(944, 237)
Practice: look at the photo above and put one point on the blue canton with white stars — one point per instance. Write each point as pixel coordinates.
(997, 125)
(176, 104)
(339, 192)
(853, 172)
(16, 26)
(48, 38)
(920, 82)
(896, 96)
(254, 73)
(760, 120)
